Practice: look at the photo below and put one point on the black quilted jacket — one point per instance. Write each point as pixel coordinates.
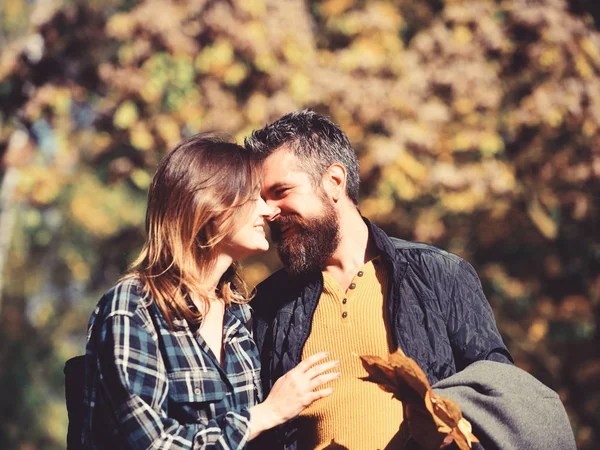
(436, 311)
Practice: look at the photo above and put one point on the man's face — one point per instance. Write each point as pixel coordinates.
(305, 223)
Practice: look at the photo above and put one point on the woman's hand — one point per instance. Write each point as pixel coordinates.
(292, 393)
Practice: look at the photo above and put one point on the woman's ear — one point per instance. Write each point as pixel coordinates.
(334, 181)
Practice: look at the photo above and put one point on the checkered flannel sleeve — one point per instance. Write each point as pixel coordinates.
(134, 380)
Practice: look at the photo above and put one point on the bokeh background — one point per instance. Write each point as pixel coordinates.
(477, 124)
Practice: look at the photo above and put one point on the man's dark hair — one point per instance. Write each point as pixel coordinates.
(316, 141)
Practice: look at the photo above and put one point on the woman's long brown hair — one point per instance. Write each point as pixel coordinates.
(196, 199)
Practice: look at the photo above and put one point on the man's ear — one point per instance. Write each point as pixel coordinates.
(334, 181)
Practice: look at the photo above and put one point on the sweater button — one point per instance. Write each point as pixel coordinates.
(360, 273)
(352, 285)
(345, 301)
(344, 315)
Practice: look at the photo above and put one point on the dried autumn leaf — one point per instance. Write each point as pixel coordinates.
(402, 376)
(380, 372)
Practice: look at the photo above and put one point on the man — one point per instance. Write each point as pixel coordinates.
(350, 289)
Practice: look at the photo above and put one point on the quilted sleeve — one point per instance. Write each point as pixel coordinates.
(471, 325)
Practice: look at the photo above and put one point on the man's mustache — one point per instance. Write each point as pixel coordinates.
(283, 222)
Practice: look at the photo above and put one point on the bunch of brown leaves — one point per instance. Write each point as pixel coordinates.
(401, 376)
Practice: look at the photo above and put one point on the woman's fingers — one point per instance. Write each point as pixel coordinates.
(321, 393)
(320, 368)
(322, 379)
(307, 363)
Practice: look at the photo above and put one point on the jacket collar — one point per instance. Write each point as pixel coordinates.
(382, 241)
(396, 265)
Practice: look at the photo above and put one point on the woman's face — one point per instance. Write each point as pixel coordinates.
(249, 238)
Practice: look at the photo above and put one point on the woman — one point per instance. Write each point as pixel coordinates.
(170, 361)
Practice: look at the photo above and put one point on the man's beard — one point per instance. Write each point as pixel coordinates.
(312, 242)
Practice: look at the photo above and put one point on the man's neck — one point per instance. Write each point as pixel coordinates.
(354, 249)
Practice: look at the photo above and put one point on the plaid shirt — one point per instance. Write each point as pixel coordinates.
(150, 387)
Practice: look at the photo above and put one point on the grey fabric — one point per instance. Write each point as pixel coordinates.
(508, 408)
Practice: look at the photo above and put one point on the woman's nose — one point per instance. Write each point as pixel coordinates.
(267, 211)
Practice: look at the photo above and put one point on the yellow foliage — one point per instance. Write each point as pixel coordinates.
(52, 414)
(40, 185)
(395, 181)
(538, 329)
(256, 8)
(299, 86)
(591, 50)
(549, 57)
(330, 8)
(462, 35)
(429, 226)
(589, 128)
(347, 24)
(168, 129)
(76, 264)
(464, 105)
(215, 58)
(32, 218)
(141, 178)
(140, 136)
(125, 115)
(11, 11)
(255, 32)
(152, 92)
(126, 54)
(295, 53)
(94, 222)
(387, 16)
(583, 67)
(463, 201)
(235, 74)
(256, 108)
(101, 142)
(191, 111)
(500, 176)
(62, 101)
(265, 62)
(120, 26)
(392, 44)
(554, 117)
(365, 52)
(540, 218)
(111, 208)
(490, 144)
(377, 207)
(411, 166)
(463, 140)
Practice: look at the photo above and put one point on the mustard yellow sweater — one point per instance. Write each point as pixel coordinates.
(358, 415)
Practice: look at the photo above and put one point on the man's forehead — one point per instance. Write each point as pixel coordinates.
(280, 167)
(281, 161)
(284, 154)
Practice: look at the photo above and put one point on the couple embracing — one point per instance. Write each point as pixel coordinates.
(177, 358)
